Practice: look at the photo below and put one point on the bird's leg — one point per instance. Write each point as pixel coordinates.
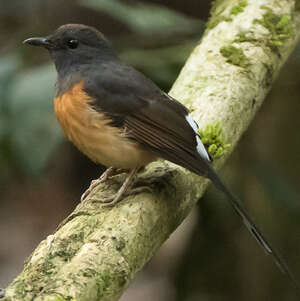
(108, 173)
(123, 189)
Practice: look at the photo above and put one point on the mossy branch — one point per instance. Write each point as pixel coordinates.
(97, 251)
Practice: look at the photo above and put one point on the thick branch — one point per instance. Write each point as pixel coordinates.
(97, 251)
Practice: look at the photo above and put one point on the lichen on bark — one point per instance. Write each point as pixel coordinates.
(96, 252)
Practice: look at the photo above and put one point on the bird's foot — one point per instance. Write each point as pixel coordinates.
(111, 171)
(118, 197)
(124, 190)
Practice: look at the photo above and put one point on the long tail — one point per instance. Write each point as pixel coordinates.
(253, 229)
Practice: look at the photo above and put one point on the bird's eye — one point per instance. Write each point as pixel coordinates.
(72, 43)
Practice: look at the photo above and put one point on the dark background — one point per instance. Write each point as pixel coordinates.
(211, 257)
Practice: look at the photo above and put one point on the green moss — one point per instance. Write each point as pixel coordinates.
(216, 14)
(217, 7)
(58, 298)
(242, 37)
(239, 8)
(89, 273)
(212, 139)
(234, 56)
(279, 26)
(67, 248)
(214, 21)
(20, 288)
(104, 282)
(47, 267)
(120, 245)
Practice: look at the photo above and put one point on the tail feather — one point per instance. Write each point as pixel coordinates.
(253, 229)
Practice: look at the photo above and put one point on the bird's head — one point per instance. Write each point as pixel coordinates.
(75, 44)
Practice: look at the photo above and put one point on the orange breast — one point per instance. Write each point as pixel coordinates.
(90, 131)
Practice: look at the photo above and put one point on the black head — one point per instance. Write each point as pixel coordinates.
(72, 45)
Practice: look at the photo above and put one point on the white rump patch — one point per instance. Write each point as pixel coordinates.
(200, 147)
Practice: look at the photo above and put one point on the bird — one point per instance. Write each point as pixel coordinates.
(121, 119)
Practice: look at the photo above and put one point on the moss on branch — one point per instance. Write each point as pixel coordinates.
(212, 138)
(220, 11)
(239, 8)
(97, 251)
(279, 27)
(234, 56)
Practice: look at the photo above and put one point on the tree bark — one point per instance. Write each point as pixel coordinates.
(96, 251)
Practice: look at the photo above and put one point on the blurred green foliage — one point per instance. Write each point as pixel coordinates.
(145, 18)
(28, 131)
(162, 64)
(8, 66)
(36, 133)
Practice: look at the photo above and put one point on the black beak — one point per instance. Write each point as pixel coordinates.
(44, 42)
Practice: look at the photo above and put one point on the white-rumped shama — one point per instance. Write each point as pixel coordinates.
(119, 118)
